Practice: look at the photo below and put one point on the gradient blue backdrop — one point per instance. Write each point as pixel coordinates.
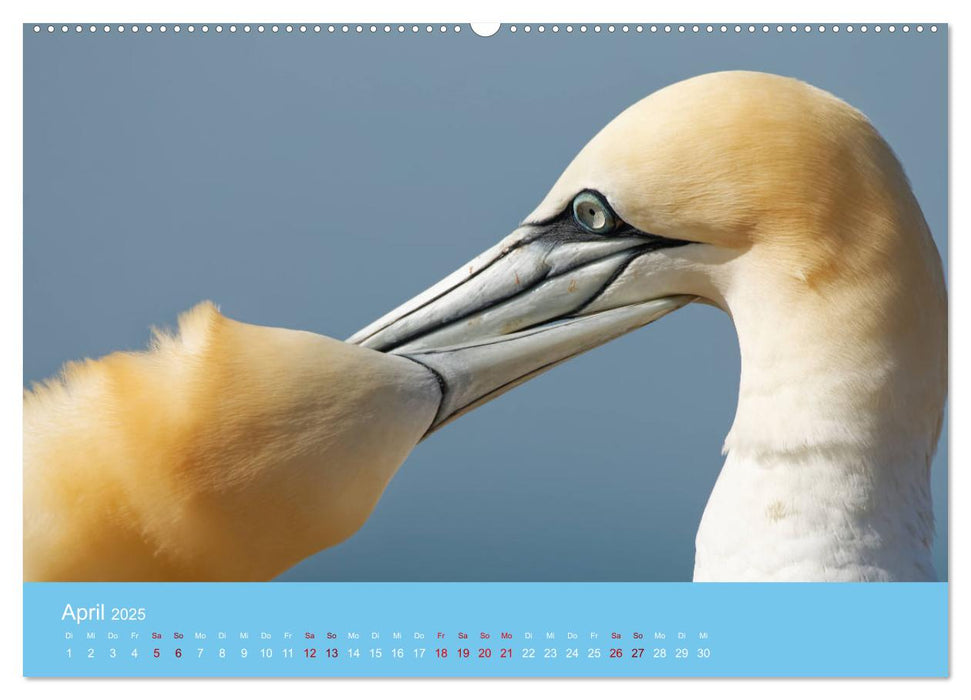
(316, 181)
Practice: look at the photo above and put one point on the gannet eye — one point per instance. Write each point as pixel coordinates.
(593, 213)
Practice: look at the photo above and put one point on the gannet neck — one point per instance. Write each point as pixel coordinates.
(839, 410)
(845, 514)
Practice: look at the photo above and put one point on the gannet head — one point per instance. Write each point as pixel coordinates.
(739, 189)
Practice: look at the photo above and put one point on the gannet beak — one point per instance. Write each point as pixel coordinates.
(516, 311)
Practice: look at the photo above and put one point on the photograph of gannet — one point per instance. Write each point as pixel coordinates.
(809, 238)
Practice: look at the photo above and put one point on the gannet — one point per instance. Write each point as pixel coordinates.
(232, 451)
(782, 205)
(227, 452)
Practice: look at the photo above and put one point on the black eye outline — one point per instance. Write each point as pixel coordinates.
(565, 225)
(593, 214)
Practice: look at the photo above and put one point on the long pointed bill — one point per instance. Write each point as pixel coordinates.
(514, 312)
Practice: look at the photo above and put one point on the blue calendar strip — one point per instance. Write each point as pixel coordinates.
(478, 629)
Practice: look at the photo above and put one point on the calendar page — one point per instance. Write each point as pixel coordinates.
(447, 350)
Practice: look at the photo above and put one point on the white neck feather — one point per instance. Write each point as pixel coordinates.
(827, 469)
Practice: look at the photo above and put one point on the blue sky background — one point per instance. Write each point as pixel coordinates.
(316, 181)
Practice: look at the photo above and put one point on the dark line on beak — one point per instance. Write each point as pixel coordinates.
(632, 252)
(515, 246)
(459, 412)
(442, 388)
(613, 278)
(636, 253)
